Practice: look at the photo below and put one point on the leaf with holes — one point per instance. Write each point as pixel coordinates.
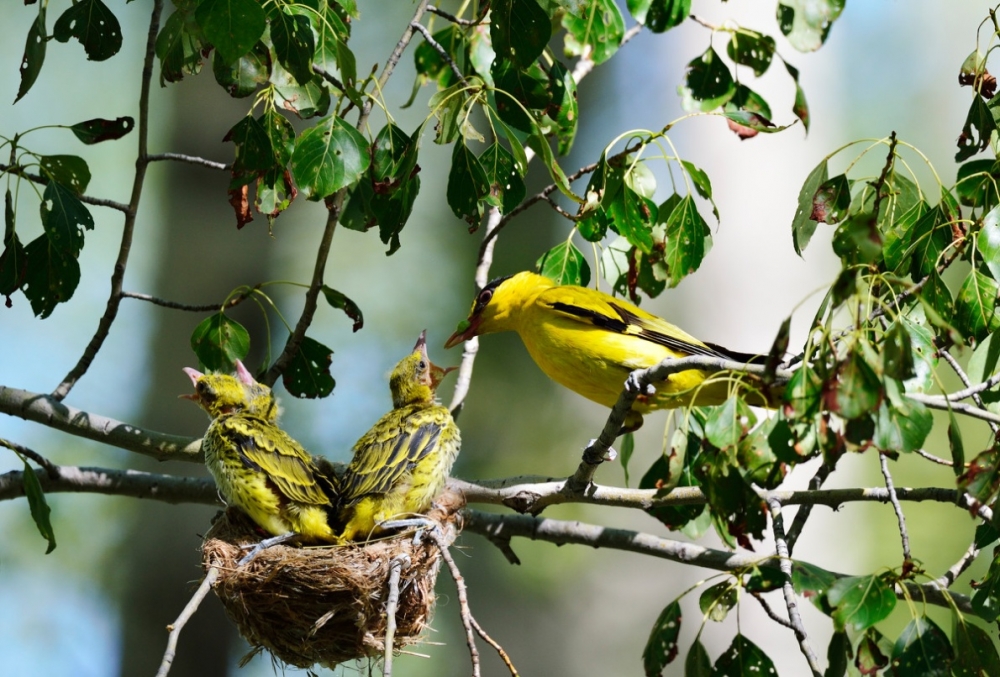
(34, 53)
(565, 264)
(98, 129)
(663, 15)
(729, 422)
(254, 152)
(975, 306)
(64, 218)
(233, 26)
(51, 278)
(179, 47)
(708, 83)
(71, 171)
(242, 77)
(897, 353)
(330, 156)
(292, 38)
(702, 184)
(687, 239)
(807, 23)
(281, 134)
(803, 226)
(597, 28)
(219, 341)
(306, 101)
(718, 600)
(506, 185)
(922, 650)
(831, 200)
(519, 29)
(308, 374)
(800, 107)
(339, 300)
(633, 216)
(979, 126)
(467, 184)
(564, 109)
(743, 658)
(94, 25)
(750, 48)
(661, 647)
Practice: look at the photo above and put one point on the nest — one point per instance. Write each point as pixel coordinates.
(325, 604)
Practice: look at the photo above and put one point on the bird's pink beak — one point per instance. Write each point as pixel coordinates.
(244, 374)
(194, 375)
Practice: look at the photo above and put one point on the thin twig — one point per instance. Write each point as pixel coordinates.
(334, 207)
(50, 468)
(329, 77)
(204, 308)
(959, 567)
(128, 228)
(189, 159)
(442, 52)
(943, 404)
(900, 518)
(396, 567)
(178, 625)
(454, 19)
(802, 514)
(496, 646)
(934, 459)
(785, 563)
(36, 178)
(463, 597)
(957, 368)
(559, 210)
(771, 613)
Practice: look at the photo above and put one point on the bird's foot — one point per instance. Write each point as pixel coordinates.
(634, 384)
(264, 545)
(420, 524)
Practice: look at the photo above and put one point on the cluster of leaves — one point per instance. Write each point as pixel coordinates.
(855, 603)
(46, 269)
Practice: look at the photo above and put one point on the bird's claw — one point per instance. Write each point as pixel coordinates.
(634, 384)
(258, 548)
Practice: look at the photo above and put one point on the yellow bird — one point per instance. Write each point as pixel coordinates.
(589, 342)
(257, 466)
(401, 464)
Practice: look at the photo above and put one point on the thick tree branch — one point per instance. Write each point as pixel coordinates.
(48, 411)
(562, 532)
(133, 483)
(128, 228)
(334, 207)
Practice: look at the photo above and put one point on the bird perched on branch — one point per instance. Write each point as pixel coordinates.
(589, 342)
(401, 464)
(257, 466)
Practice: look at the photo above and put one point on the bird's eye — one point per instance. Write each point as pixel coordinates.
(422, 365)
(201, 386)
(485, 296)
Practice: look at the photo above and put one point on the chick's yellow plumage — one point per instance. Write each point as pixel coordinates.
(257, 466)
(589, 342)
(401, 464)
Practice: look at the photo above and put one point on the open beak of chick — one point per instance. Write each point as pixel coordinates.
(435, 374)
(194, 375)
(466, 330)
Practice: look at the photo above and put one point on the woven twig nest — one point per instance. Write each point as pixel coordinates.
(325, 604)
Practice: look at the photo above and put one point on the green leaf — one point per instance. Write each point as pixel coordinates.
(743, 658)
(663, 15)
(306, 101)
(219, 341)
(539, 144)
(860, 601)
(564, 264)
(628, 448)
(519, 90)
(986, 534)
(955, 444)
(329, 156)
(986, 598)
(717, 601)
(38, 506)
(308, 374)
(275, 192)
(728, 423)
(976, 305)
(292, 38)
(519, 29)
(859, 389)
(976, 185)
(800, 108)
(896, 238)
(467, 184)
(702, 184)
(765, 579)
(661, 647)
(179, 47)
(975, 653)
(922, 650)
(831, 200)
(985, 360)
(254, 152)
(13, 261)
(432, 66)
(94, 25)
(98, 129)
(506, 185)
(687, 240)
(52, 275)
(34, 53)
(750, 48)
(902, 428)
(281, 135)
(982, 479)
(697, 663)
(813, 582)
(897, 353)
(564, 110)
(596, 29)
(70, 171)
(64, 218)
(242, 77)
(339, 300)
(870, 657)
(975, 136)
(708, 83)
(633, 216)
(838, 655)
(802, 225)
(807, 23)
(988, 242)
(233, 26)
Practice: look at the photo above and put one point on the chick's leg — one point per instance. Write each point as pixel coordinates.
(264, 545)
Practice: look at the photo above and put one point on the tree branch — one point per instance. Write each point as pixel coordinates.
(334, 207)
(454, 19)
(178, 625)
(440, 50)
(118, 274)
(942, 403)
(35, 178)
(562, 532)
(950, 359)
(204, 308)
(133, 483)
(894, 499)
(50, 412)
(189, 159)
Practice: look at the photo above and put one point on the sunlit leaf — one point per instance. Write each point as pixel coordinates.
(596, 31)
(565, 264)
(329, 156)
(802, 225)
(219, 341)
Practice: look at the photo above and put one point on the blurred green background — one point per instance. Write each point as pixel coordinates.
(98, 605)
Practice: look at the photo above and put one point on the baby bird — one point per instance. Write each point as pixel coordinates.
(257, 466)
(401, 464)
(589, 342)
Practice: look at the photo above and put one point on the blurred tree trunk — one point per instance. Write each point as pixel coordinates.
(197, 264)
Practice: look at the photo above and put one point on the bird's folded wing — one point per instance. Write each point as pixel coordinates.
(277, 455)
(383, 455)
